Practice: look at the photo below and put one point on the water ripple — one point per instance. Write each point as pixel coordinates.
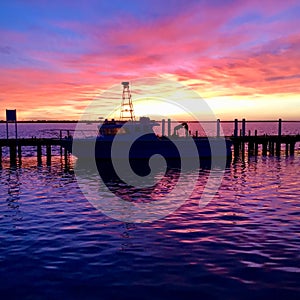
(245, 242)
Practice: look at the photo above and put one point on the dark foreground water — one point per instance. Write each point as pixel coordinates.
(245, 244)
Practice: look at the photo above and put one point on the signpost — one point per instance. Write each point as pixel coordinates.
(11, 117)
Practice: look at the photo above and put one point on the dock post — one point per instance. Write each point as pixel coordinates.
(243, 127)
(218, 127)
(48, 151)
(0, 154)
(163, 126)
(292, 148)
(278, 144)
(286, 149)
(264, 148)
(250, 145)
(60, 137)
(272, 144)
(236, 128)
(236, 146)
(169, 127)
(39, 154)
(13, 154)
(279, 127)
(243, 137)
(255, 143)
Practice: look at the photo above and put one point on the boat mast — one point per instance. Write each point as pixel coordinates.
(127, 112)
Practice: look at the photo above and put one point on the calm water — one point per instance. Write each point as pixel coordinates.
(245, 244)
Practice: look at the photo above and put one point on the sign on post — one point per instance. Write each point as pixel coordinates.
(11, 117)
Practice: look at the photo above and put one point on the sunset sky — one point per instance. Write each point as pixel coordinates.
(242, 57)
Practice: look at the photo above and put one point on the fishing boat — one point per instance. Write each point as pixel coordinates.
(133, 139)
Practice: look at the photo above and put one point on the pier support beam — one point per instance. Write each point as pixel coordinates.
(39, 154)
(279, 127)
(13, 154)
(236, 128)
(278, 146)
(251, 147)
(48, 153)
(243, 127)
(271, 148)
(236, 146)
(255, 144)
(264, 148)
(292, 148)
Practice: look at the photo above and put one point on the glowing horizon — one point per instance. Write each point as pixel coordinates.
(241, 57)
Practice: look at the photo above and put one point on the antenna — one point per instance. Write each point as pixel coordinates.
(127, 112)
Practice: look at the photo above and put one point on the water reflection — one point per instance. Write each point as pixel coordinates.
(239, 240)
(12, 179)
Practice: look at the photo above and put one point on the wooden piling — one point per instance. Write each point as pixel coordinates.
(286, 149)
(243, 127)
(278, 146)
(292, 148)
(48, 154)
(271, 147)
(251, 147)
(255, 143)
(13, 154)
(279, 127)
(39, 154)
(278, 143)
(236, 127)
(218, 127)
(236, 147)
(264, 148)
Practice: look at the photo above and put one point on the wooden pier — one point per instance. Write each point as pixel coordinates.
(252, 145)
(269, 144)
(244, 143)
(15, 148)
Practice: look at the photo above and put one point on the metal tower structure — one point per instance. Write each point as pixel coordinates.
(127, 112)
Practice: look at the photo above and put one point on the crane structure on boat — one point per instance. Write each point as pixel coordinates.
(126, 112)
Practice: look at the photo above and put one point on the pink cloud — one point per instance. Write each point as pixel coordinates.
(197, 44)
